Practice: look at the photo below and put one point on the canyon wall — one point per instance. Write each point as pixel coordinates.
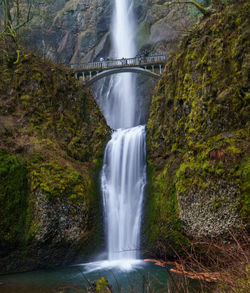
(198, 135)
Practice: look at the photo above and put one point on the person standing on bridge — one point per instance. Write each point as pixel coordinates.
(143, 56)
(124, 61)
(101, 60)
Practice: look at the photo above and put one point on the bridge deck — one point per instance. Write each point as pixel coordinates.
(125, 62)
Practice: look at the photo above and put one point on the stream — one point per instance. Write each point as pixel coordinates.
(76, 279)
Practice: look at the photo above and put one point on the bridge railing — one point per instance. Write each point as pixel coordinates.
(136, 61)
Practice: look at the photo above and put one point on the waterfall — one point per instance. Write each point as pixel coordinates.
(123, 175)
(119, 101)
(123, 181)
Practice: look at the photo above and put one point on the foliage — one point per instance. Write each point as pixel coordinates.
(16, 14)
(102, 286)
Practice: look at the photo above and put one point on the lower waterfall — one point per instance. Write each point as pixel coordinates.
(123, 181)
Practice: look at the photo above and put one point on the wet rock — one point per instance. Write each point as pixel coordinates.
(210, 212)
(79, 30)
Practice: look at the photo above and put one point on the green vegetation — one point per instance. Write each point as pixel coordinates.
(13, 199)
(143, 33)
(198, 130)
(163, 226)
(52, 141)
(102, 286)
(55, 181)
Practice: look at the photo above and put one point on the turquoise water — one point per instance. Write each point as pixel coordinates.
(77, 278)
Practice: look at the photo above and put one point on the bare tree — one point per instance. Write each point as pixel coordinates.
(16, 13)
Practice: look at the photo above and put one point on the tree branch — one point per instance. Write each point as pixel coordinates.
(203, 10)
(28, 18)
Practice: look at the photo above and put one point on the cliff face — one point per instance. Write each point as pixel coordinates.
(52, 141)
(79, 30)
(198, 135)
(161, 27)
(70, 31)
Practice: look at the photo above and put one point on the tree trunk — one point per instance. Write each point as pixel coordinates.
(199, 7)
(7, 16)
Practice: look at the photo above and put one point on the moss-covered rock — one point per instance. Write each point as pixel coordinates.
(52, 141)
(13, 199)
(198, 131)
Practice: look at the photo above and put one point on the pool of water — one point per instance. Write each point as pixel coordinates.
(130, 276)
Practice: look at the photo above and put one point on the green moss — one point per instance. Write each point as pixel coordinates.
(143, 33)
(164, 230)
(56, 180)
(59, 133)
(13, 200)
(198, 129)
(102, 285)
(243, 173)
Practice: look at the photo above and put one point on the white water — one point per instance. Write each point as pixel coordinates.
(123, 181)
(123, 174)
(118, 102)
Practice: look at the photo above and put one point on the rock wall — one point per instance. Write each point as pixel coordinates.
(52, 140)
(198, 136)
(70, 31)
(79, 30)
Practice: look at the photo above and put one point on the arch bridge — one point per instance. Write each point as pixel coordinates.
(91, 72)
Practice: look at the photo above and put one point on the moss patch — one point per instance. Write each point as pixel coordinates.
(13, 200)
(52, 140)
(164, 228)
(198, 129)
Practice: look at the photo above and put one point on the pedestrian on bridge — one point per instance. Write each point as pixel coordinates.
(124, 61)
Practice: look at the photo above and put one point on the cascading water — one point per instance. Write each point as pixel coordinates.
(123, 181)
(118, 100)
(123, 175)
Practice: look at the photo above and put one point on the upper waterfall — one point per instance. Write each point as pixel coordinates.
(118, 99)
(123, 43)
(123, 29)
